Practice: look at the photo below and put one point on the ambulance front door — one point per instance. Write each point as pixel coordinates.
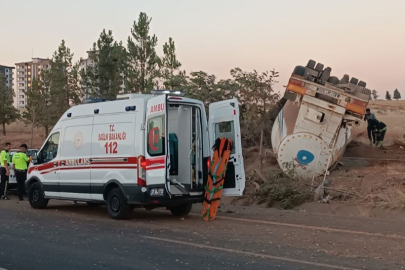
(224, 123)
(156, 142)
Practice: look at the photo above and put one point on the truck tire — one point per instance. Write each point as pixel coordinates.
(319, 67)
(362, 84)
(117, 206)
(354, 81)
(333, 80)
(36, 196)
(299, 70)
(311, 64)
(181, 210)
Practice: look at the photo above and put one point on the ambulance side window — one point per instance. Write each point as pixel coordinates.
(226, 130)
(50, 149)
(156, 136)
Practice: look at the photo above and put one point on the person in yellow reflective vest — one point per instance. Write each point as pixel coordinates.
(4, 170)
(20, 166)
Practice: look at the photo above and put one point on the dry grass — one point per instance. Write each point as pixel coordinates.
(376, 186)
(18, 133)
(392, 198)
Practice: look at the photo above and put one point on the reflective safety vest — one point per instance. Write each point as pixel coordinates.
(4, 157)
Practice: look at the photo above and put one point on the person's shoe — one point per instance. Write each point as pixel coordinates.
(6, 198)
(2, 198)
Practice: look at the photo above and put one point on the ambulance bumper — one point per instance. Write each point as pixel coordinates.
(142, 196)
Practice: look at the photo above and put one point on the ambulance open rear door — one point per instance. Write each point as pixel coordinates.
(157, 150)
(224, 123)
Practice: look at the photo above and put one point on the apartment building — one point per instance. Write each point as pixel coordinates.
(9, 74)
(25, 73)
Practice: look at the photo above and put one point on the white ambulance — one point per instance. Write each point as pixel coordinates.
(137, 151)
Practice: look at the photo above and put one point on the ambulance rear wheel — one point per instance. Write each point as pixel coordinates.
(36, 196)
(181, 210)
(117, 206)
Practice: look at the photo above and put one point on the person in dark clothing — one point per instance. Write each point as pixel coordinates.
(380, 129)
(370, 132)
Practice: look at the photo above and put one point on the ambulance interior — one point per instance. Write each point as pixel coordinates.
(185, 145)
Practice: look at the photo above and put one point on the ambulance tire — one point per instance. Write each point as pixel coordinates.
(36, 196)
(181, 210)
(117, 206)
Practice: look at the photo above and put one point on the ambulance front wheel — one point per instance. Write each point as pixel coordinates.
(181, 210)
(117, 206)
(36, 196)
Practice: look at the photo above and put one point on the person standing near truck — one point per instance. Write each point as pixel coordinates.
(4, 170)
(20, 166)
(370, 131)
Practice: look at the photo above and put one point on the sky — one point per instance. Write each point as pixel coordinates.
(362, 38)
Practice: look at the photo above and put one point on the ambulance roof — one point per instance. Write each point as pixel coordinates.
(119, 105)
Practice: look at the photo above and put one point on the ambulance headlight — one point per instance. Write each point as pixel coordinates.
(156, 192)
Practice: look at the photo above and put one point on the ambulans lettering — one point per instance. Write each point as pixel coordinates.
(77, 162)
(157, 108)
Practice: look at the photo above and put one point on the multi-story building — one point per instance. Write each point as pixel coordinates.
(26, 72)
(9, 74)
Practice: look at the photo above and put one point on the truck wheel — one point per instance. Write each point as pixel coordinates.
(311, 64)
(36, 196)
(299, 70)
(182, 210)
(117, 207)
(354, 81)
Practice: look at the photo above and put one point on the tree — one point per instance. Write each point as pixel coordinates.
(39, 112)
(170, 73)
(55, 91)
(374, 94)
(203, 86)
(397, 94)
(388, 96)
(143, 68)
(257, 97)
(104, 78)
(62, 82)
(8, 113)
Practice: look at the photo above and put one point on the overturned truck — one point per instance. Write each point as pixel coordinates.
(313, 128)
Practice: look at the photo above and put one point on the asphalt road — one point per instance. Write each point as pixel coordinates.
(77, 236)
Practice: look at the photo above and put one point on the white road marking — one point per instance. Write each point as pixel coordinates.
(247, 253)
(326, 229)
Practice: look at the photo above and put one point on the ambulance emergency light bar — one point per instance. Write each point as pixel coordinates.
(168, 92)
